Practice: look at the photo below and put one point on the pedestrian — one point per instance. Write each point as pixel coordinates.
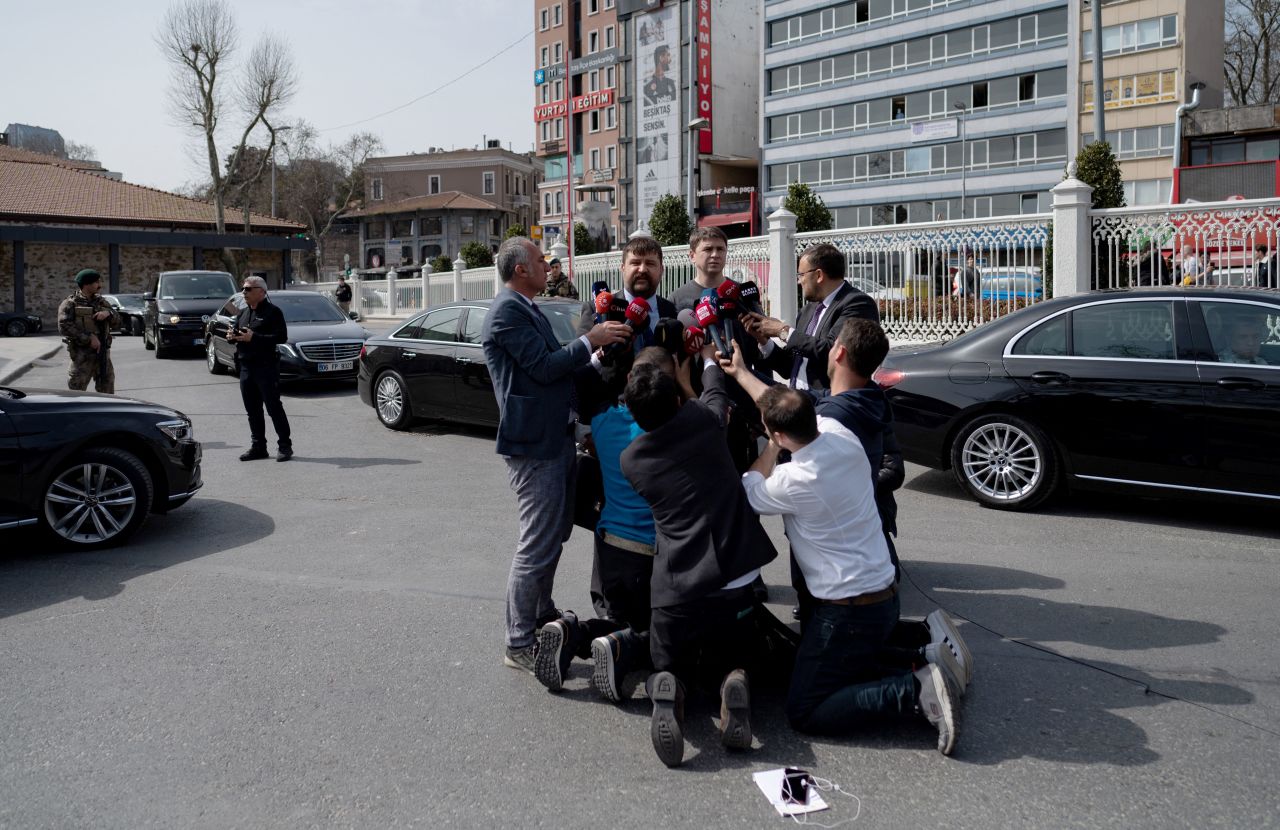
(258, 330)
(85, 321)
(558, 284)
(343, 295)
(533, 382)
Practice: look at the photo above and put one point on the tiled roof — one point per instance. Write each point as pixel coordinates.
(18, 154)
(39, 188)
(449, 200)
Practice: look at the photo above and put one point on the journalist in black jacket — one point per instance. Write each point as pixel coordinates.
(259, 328)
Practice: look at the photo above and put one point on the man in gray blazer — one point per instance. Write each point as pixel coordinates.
(533, 382)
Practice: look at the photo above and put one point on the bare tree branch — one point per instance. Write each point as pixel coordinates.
(1250, 60)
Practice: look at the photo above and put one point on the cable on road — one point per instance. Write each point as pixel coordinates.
(1146, 687)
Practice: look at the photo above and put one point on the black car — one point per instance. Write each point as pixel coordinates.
(131, 309)
(433, 366)
(179, 304)
(1162, 391)
(19, 323)
(88, 468)
(323, 341)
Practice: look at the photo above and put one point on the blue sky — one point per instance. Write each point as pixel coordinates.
(92, 71)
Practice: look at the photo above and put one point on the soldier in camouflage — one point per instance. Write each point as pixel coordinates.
(558, 284)
(85, 321)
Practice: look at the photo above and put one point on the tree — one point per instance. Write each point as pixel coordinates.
(1249, 54)
(583, 244)
(476, 255)
(199, 39)
(80, 152)
(442, 264)
(515, 230)
(811, 212)
(669, 222)
(1097, 167)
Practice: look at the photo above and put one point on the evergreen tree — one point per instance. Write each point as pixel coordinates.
(811, 213)
(515, 230)
(1097, 167)
(669, 223)
(442, 264)
(583, 244)
(476, 255)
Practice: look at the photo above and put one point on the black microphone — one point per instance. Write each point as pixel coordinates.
(749, 297)
(669, 334)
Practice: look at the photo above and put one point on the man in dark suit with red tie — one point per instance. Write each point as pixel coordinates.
(799, 352)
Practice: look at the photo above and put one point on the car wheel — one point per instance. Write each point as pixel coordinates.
(161, 351)
(391, 401)
(98, 498)
(135, 326)
(211, 359)
(15, 328)
(147, 343)
(1004, 462)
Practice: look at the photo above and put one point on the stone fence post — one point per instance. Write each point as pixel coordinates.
(1072, 236)
(780, 295)
(391, 291)
(458, 266)
(426, 286)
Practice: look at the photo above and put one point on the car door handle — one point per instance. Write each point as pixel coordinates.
(1240, 383)
(1050, 377)
(465, 360)
(408, 354)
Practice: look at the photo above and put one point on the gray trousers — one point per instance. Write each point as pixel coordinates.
(544, 499)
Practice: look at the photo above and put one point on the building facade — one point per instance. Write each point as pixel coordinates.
(421, 206)
(1152, 52)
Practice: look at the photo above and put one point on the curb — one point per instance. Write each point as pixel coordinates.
(13, 374)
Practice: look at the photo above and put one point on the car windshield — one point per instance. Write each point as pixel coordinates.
(307, 308)
(196, 286)
(563, 318)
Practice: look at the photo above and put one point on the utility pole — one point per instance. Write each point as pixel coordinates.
(964, 164)
(1099, 117)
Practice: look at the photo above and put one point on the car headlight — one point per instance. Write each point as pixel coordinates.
(286, 350)
(174, 319)
(178, 429)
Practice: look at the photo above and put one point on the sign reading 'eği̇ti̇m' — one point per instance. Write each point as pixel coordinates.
(581, 103)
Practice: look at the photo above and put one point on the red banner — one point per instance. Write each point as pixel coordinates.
(703, 72)
(581, 103)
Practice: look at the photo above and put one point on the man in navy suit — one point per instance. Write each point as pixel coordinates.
(533, 382)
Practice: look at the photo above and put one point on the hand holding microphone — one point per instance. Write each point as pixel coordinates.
(708, 313)
(637, 320)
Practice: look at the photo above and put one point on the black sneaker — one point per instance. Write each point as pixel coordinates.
(284, 454)
(555, 651)
(612, 655)
(735, 711)
(254, 453)
(667, 726)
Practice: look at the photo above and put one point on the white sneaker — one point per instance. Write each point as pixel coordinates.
(943, 631)
(942, 657)
(939, 702)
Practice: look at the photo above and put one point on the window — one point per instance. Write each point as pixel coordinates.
(430, 226)
(557, 52)
(467, 224)
(1140, 35)
(611, 156)
(593, 6)
(546, 204)
(377, 229)
(557, 16)
(400, 228)
(608, 78)
(1049, 339)
(1134, 90)
(608, 4)
(546, 130)
(495, 226)
(544, 23)
(1125, 330)
(430, 252)
(406, 254)
(608, 37)
(375, 189)
(557, 92)
(595, 158)
(559, 202)
(610, 118)
(487, 183)
(1027, 88)
(440, 325)
(593, 121)
(1239, 333)
(542, 54)
(980, 99)
(433, 185)
(473, 328)
(593, 42)
(593, 78)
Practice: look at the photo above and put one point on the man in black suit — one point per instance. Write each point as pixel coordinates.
(641, 273)
(709, 546)
(800, 352)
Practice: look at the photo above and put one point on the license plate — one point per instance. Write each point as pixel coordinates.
(199, 341)
(335, 367)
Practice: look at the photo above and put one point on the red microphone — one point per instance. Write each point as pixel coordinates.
(638, 314)
(728, 293)
(694, 337)
(708, 319)
(604, 300)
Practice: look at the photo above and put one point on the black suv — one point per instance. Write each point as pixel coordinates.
(179, 303)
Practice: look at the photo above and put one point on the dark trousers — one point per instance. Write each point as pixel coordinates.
(840, 680)
(259, 388)
(619, 595)
(703, 640)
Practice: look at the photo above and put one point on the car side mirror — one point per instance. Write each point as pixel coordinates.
(148, 297)
(354, 315)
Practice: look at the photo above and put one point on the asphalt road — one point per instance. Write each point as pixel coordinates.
(318, 643)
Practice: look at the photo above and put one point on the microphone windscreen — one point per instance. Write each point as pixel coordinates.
(669, 334)
(604, 299)
(694, 337)
(638, 312)
(728, 289)
(749, 296)
(705, 312)
(687, 318)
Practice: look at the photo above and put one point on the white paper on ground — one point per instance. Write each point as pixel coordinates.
(770, 783)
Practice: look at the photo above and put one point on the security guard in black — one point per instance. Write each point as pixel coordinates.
(258, 330)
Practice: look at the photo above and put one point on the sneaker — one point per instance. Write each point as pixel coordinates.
(254, 453)
(284, 455)
(942, 657)
(943, 631)
(613, 660)
(520, 658)
(555, 651)
(939, 703)
(667, 727)
(735, 711)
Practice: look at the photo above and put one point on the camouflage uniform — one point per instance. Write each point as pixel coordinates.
(76, 324)
(563, 288)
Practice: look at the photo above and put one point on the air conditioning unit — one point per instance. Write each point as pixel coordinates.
(493, 144)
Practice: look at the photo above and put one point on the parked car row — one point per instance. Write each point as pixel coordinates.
(20, 323)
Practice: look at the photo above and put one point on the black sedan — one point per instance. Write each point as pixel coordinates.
(131, 309)
(88, 468)
(433, 366)
(323, 341)
(19, 323)
(1159, 391)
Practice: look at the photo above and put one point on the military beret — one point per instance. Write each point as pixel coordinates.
(87, 276)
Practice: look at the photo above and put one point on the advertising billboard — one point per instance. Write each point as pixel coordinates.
(657, 60)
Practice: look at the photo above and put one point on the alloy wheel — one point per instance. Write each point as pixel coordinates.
(15, 328)
(390, 400)
(1001, 461)
(90, 503)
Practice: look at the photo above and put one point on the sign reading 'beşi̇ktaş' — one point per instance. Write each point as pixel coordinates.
(657, 61)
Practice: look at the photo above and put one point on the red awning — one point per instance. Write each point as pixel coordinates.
(719, 219)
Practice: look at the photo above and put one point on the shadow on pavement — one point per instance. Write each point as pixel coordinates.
(356, 463)
(36, 573)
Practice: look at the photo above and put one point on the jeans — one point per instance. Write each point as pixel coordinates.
(840, 680)
(260, 387)
(544, 499)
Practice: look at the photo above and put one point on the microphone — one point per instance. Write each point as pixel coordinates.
(603, 301)
(708, 313)
(749, 297)
(637, 317)
(728, 293)
(669, 334)
(694, 336)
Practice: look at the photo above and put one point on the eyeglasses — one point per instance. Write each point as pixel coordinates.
(249, 288)
(807, 273)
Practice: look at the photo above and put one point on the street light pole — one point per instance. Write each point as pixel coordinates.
(964, 163)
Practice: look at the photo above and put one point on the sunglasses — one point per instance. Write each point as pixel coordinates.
(248, 288)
